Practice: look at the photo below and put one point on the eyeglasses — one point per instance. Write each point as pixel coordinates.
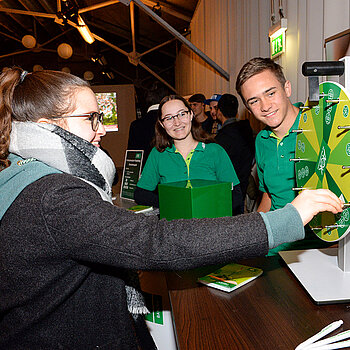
(169, 120)
(95, 118)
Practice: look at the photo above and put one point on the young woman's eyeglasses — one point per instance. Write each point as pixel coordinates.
(169, 120)
(94, 117)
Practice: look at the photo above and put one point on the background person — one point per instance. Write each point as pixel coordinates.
(212, 102)
(183, 151)
(236, 137)
(67, 253)
(198, 107)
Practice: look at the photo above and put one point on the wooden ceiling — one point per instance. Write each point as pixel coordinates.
(130, 45)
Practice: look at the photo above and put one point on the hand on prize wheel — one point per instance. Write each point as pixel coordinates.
(323, 147)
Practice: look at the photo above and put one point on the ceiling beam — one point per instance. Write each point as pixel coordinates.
(57, 36)
(171, 10)
(132, 25)
(14, 53)
(180, 37)
(125, 34)
(33, 6)
(157, 47)
(131, 56)
(10, 27)
(98, 6)
(10, 37)
(28, 13)
(13, 17)
(157, 76)
(110, 45)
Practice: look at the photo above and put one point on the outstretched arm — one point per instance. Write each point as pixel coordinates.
(283, 224)
(310, 202)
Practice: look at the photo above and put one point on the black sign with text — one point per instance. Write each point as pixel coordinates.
(131, 173)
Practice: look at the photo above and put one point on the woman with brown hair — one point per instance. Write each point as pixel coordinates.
(183, 151)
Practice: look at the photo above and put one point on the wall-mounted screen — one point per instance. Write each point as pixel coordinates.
(107, 102)
(120, 100)
(338, 46)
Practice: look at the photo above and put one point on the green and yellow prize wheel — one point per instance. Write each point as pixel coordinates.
(323, 146)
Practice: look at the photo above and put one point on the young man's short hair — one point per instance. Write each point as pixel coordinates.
(255, 66)
(197, 98)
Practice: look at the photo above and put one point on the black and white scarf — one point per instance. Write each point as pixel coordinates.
(68, 153)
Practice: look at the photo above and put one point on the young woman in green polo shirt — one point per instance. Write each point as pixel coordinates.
(183, 151)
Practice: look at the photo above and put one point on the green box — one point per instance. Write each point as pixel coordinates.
(195, 199)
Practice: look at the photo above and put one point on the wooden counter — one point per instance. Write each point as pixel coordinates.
(271, 312)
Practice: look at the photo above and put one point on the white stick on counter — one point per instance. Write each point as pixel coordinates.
(340, 345)
(323, 332)
(340, 336)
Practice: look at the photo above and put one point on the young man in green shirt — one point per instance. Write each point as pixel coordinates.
(265, 92)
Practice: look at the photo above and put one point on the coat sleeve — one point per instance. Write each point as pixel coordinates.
(145, 197)
(91, 230)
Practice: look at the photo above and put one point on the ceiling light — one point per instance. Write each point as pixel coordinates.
(37, 68)
(65, 51)
(88, 75)
(66, 69)
(84, 31)
(29, 41)
(70, 14)
(109, 74)
(100, 59)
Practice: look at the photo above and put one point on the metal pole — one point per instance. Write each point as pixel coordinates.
(156, 47)
(109, 44)
(157, 76)
(57, 36)
(132, 24)
(15, 53)
(28, 13)
(98, 6)
(182, 39)
(167, 9)
(10, 36)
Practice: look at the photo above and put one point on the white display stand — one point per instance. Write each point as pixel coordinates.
(318, 272)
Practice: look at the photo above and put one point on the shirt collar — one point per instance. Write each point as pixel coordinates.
(229, 121)
(199, 147)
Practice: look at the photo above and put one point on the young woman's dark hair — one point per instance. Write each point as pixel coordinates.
(162, 140)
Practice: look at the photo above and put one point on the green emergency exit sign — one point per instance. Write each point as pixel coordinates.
(277, 45)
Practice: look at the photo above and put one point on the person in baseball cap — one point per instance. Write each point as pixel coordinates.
(212, 102)
(215, 97)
